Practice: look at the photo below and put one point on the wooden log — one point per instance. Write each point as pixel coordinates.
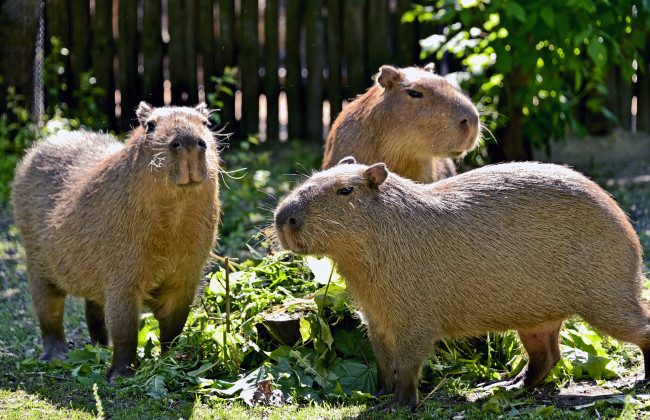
(182, 52)
(102, 57)
(379, 34)
(205, 43)
(226, 58)
(293, 81)
(271, 65)
(315, 51)
(355, 46)
(334, 93)
(406, 44)
(153, 51)
(250, 65)
(128, 62)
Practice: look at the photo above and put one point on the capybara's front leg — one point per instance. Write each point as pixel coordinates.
(382, 343)
(171, 316)
(122, 320)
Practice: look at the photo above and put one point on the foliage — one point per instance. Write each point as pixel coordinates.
(223, 85)
(537, 57)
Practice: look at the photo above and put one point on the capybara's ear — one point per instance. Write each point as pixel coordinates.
(388, 77)
(347, 160)
(202, 109)
(431, 67)
(143, 113)
(375, 175)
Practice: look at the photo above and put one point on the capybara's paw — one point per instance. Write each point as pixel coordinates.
(54, 350)
(114, 372)
(388, 406)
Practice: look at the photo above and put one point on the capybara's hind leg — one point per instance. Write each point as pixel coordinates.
(171, 313)
(543, 348)
(96, 323)
(49, 304)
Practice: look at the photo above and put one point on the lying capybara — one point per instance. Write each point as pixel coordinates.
(119, 225)
(515, 246)
(411, 119)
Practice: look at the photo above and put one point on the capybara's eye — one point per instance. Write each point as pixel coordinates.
(344, 191)
(202, 145)
(151, 125)
(414, 93)
(175, 145)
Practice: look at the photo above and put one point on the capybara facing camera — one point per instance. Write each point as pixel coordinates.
(519, 246)
(411, 119)
(120, 225)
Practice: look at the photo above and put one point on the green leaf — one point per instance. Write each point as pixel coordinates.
(156, 387)
(548, 16)
(597, 52)
(514, 9)
(356, 376)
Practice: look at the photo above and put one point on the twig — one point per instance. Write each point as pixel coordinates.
(431, 393)
(222, 259)
(227, 262)
(361, 348)
(61, 378)
(326, 289)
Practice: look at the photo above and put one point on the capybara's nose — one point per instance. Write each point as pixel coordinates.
(189, 143)
(468, 119)
(287, 217)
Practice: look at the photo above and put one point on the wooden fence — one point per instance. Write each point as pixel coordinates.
(305, 55)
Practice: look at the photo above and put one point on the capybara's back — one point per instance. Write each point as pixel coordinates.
(516, 246)
(120, 225)
(411, 119)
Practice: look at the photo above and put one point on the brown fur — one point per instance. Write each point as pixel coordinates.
(411, 135)
(119, 225)
(515, 246)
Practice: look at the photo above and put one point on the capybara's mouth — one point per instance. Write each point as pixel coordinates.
(189, 184)
(288, 241)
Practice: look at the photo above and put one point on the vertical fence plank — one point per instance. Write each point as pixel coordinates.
(406, 45)
(294, 70)
(205, 43)
(354, 46)
(271, 64)
(643, 98)
(80, 49)
(102, 56)
(315, 46)
(58, 25)
(378, 34)
(128, 61)
(226, 58)
(624, 91)
(334, 94)
(153, 51)
(182, 52)
(250, 64)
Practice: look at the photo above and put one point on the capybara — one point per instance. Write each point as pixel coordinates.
(411, 119)
(119, 225)
(518, 246)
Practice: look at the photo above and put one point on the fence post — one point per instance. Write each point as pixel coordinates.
(250, 64)
(226, 58)
(643, 98)
(315, 46)
(153, 51)
(102, 57)
(80, 49)
(293, 83)
(334, 94)
(355, 47)
(205, 43)
(271, 64)
(406, 47)
(128, 59)
(378, 34)
(182, 54)
(58, 25)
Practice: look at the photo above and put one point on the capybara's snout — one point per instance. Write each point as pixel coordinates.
(468, 129)
(288, 220)
(189, 153)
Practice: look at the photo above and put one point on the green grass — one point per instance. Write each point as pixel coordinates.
(35, 390)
